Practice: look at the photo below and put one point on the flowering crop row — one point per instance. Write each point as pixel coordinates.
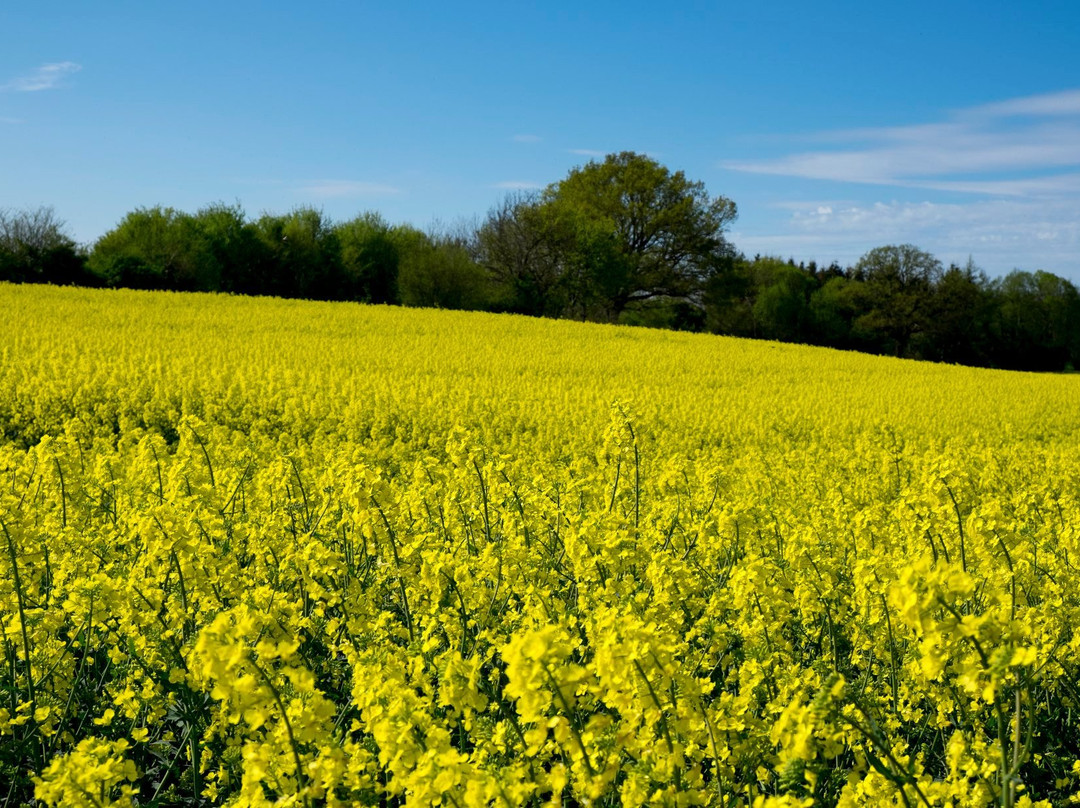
(261, 552)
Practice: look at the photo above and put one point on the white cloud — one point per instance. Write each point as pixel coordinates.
(338, 189)
(977, 150)
(517, 185)
(526, 138)
(46, 77)
(1018, 159)
(1055, 185)
(1063, 103)
(12, 121)
(587, 152)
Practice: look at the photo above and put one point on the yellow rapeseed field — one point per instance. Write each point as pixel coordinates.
(260, 552)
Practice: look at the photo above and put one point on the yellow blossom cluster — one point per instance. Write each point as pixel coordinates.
(261, 552)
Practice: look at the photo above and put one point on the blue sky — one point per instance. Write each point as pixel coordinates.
(836, 126)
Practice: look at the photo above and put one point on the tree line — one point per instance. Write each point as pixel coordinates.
(619, 240)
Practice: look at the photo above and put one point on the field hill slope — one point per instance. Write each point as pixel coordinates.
(264, 551)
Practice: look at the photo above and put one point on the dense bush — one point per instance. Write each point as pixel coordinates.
(35, 248)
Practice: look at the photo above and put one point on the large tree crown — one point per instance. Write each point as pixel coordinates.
(652, 210)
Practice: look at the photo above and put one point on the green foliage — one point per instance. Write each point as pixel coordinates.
(438, 272)
(304, 254)
(369, 259)
(961, 309)
(35, 248)
(899, 281)
(668, 233)
(152, 248)
(902, 266)
(233, 253)
(899, 300)
(1038, 321)
(832, 307)
(549, 259)
(526, 247)
(728, 300)
(782, 310)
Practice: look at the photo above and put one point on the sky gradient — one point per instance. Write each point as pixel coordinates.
(835, 126)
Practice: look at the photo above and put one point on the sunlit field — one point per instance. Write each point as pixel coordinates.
(263, 552)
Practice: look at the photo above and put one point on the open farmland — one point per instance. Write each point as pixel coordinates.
(266, 552)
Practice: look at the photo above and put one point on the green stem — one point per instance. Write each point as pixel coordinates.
(573, 729)
(663, 725)
(22, 616)
(288, 730)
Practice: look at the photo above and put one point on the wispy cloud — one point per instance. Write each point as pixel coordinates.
(46, 77)
(587, 152)
(526, 138)
(992, 221)
(12, 121)
(1017, 159)
(977, 150)
(517, 185)
(341, 189)
(1063, 103)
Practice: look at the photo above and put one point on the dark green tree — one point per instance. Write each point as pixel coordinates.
(781, 309)
(525, 246)
(899, 280)
(153, 248)
(833, 306)
(1038, 321)
(36, 248)
(369, 259)
(232, 255)
(438, 271)
(668, 232)
(304, 255)
(961, 312)
(728, 299)
(548, 259)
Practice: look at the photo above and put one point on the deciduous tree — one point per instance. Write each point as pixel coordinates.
(36, 248)
(667, 230)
